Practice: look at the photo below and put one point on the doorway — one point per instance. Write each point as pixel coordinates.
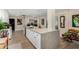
(12, 23)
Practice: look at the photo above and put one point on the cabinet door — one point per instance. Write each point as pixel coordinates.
(37, 40)
(34, 37)
(28, 34)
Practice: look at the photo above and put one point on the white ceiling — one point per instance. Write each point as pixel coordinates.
(30, 12)
(61, 10)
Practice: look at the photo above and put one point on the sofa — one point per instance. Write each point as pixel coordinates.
(71, 34)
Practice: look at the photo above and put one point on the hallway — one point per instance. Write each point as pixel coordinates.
(19, 41)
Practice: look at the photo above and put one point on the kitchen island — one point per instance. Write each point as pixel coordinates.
(43, 38)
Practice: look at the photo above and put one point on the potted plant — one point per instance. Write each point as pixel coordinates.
(3, 26)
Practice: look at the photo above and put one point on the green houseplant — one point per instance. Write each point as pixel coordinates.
(71, 34)
(3, 26)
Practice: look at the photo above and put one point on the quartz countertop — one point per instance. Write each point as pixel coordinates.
(43, 30)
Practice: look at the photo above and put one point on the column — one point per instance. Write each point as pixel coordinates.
(51, 18)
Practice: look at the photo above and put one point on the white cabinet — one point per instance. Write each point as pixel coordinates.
(48, 40)
(34, 38)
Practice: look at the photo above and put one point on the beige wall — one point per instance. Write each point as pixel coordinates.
(51, 18)
(35, 18)
(68, 19)
(18, 27)
(72, 12)
(40, 19)
(25, 21)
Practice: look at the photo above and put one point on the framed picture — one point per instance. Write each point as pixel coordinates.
(56, 22)
(42, 21)
(75, 20)
(19, 21)
(62, 21)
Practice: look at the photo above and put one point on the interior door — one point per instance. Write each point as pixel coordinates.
(12, 23)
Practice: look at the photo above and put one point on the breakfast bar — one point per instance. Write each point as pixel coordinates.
(43, 38)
